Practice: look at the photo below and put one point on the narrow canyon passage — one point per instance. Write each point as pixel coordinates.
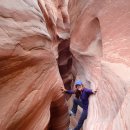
(48, 44)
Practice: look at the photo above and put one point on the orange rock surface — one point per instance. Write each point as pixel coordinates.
(47, 43)
(30, 95)
(100, 43)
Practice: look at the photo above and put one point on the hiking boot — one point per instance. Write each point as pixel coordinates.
(71, 113)
(70, 129)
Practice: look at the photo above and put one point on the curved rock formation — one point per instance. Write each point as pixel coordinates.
(35, 61)
(30, 95)
(100, 32)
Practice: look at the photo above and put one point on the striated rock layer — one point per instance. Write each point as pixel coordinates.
(30, 95)
(35, 61)
(100, 31)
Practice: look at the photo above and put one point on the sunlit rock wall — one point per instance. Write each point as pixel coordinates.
(100, 43)
(34, 42)
(30, 95)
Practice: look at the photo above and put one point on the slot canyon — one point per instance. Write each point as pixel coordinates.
(48, 44)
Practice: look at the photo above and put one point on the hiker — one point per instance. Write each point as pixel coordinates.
(82, 99)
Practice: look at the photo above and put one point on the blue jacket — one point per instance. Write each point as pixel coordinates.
(84, 96)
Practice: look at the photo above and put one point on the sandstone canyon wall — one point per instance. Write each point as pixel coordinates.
(30, 95)
(100, 43)
(36, 38)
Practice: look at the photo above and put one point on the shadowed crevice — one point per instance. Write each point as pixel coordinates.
(65, 64)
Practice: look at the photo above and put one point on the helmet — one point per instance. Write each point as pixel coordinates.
(78, 82)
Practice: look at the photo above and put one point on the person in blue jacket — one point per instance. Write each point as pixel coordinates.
(81, 99)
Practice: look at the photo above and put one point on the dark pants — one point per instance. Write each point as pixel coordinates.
(84, 113)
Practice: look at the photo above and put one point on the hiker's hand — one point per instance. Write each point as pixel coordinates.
(63, 89)
(95, 91)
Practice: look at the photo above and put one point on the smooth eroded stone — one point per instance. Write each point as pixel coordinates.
(100, 31)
